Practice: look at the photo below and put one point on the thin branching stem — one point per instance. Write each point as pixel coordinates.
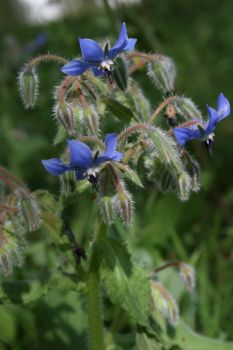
(91, 139)
(164, 267)
(132, 129)
(45, 58)
(161, 107)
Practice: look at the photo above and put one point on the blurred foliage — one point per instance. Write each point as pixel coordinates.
(198, 35)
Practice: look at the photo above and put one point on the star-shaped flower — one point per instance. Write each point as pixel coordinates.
(82, 160)
(204, 131)
(99, 60)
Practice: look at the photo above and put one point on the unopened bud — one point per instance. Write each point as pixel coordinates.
(68, 183)
(29, 209)
(65, 115)
(187, 275)
(187, 108)
(124, 206)
(193, 168)
(164, 302)
(28, 86)
(162, 72)
(90, 120)
(170, 115)
(10, 248)
(120, 75)
(184, 186)
(106, 209)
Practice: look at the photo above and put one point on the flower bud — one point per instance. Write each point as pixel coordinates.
(10, 248)
(187, 275)
(193, 169)
(28, 86)
(123, 204)
(187, 108)
(162, 72)
(90, 120)
(184, 186)
(164, 302)
(68, 183)
(106, 209)
(64, 115)
(170, 115)
(28, 209)
(120, 76)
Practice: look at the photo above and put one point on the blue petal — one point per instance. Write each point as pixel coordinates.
(130, 44)
(80, 155)
(183, 135)
(110, 153)
(75, 67)
(120, 44)
(97, 71)
(224, 108)
(54, 166)
(91, 51)
(117, 156)
(110, 143)
(79, 175)
(213, 120)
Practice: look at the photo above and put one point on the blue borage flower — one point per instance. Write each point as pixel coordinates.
(82, 160)
(204, 131)
(99, 60)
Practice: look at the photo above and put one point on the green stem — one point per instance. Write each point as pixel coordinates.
(96, 328)
(44, 58)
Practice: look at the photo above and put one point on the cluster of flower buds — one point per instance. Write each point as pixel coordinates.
(110, 136)
(97, 93)
(162, 299)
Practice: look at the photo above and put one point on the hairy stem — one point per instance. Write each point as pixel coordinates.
(44, 58)
(160, 108)
(96, 328)
(132, 129)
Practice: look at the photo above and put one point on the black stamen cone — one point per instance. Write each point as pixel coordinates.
(93, 179)
(109, 76)
(208, 145)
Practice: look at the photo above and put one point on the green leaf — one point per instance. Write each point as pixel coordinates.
(129, 173)
(28, 291)
(50, 213)
(7, 325)
(126, 285)
(145, 341)
(187, 339)
(119, 110)
(120, 75)
(60, 135)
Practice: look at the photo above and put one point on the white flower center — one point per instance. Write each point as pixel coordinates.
(209, 138)
(107, 65)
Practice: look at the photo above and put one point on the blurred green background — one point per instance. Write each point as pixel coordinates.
(198, 35)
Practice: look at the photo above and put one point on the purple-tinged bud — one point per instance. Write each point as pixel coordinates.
(188, 276)
(28, 86)
(162, 72)
(165, 303)
(65, 116)
(28, 209)
(106, 209)
(187, 108)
